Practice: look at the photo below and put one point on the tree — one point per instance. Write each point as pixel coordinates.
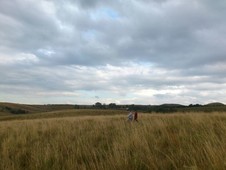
(98, 105)
(76, 106)
(112, 105)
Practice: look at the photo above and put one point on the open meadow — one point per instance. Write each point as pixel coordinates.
(103, 139)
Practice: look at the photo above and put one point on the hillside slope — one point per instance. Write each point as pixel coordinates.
(13, 108)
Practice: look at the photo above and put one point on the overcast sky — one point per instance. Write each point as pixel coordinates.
(113, 51)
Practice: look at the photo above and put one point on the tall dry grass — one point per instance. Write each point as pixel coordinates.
(176, 141)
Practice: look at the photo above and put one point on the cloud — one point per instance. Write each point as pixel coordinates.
(121, 51)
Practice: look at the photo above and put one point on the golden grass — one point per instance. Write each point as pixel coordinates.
(62, 113)
(175, 141)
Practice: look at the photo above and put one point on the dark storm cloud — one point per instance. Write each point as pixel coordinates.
(168, 33)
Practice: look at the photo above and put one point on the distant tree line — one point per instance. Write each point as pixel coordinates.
(99, 105)
(164, 108)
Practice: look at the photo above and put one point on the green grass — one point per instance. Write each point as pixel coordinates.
(96, 141)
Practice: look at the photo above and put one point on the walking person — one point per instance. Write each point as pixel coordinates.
(136, 116)
(130, 116)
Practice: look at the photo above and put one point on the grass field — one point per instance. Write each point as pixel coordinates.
(88, 139)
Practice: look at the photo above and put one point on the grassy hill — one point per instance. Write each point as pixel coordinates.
(63, 113)
(62, 137)
(215, 104)
(70, 140)
(13, 108)
(18, 109)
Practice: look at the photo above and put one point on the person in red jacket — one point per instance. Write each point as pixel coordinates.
(135, 116)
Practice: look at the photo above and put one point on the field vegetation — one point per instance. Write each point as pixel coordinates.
(92, 139)
(16, 109)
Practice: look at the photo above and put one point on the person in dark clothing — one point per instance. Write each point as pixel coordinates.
(135, 116)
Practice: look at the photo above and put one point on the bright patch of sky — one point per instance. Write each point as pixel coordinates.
(104, 13)
(89, 35)
(46, 52)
